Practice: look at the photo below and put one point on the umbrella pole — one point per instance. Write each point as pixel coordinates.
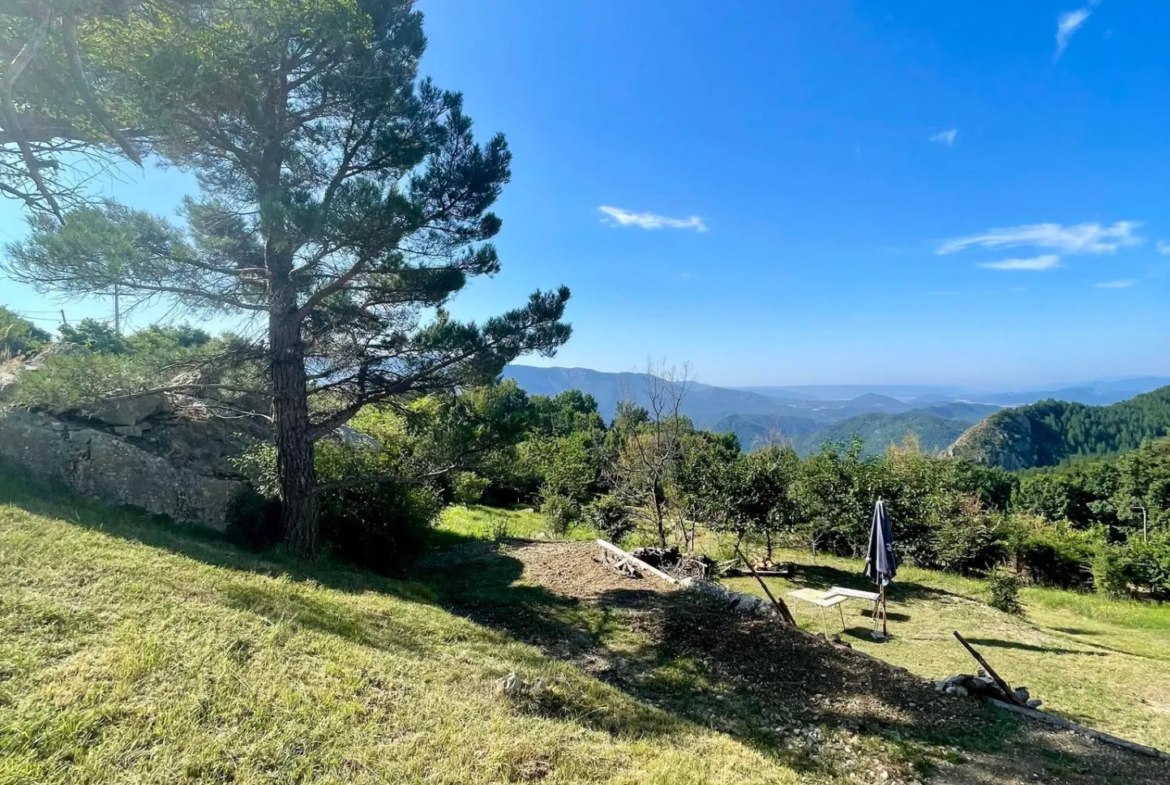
(885, 613)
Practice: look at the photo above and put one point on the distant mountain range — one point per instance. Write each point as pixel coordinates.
(807, 416)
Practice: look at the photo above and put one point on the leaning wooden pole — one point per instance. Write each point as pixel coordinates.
(778, 604)
(1003, 685)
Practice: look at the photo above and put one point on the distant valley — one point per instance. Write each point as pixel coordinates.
(807, 416)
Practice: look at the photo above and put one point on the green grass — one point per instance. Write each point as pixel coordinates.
(136, 651)
(1100, 662)
(481, 522)
(133, 651)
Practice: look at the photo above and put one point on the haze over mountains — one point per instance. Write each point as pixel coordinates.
(808, 415)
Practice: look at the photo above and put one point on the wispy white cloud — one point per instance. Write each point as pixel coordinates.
(1067, 24)
(1124, 284)
(1078, 239)
(946, 137)
(1045, 262)
(1164, 247)
(616, 216)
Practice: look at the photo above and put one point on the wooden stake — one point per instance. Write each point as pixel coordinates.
(778, 604)
(1003, 685)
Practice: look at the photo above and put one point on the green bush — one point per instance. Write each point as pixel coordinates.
(93, 335)
(254, 520)
(1053, 554)
(970, 541)
(611, 517)
(468, 487)
(1150, 563)
(381, 524)
(19, 336)
(1111, 571)
(560, 511)
(1004, 587)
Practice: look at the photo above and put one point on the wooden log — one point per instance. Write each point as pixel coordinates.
(1061, 722)
(641, 565)
(778, 604)
(1003, 685)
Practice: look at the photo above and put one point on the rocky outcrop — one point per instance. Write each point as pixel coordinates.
(112, 470)
(1003, 439)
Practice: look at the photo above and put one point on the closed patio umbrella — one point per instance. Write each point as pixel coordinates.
(881, 563)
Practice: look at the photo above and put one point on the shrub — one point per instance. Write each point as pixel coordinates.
(468, 487)
(19, 336)
(93, 335)
(971, 540)
(1053, 554)
(560, 511)
(1150, 563)
(1004, 588)
(610, 517)
(381, 525)
(254, 520)
(1111, 570)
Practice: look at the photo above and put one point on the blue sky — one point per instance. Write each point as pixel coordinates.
(821, 192)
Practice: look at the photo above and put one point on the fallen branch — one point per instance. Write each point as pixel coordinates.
(1003, 685)
(780, 605)
(641, 565)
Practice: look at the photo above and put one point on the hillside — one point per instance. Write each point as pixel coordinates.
(133, 651)
(879, 431)
(704, 404)
(1049, 432)
(754, 431)
(707, 405)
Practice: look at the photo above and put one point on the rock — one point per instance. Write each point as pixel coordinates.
(1022, 693)
(8, 385)
(112, 471)
(131, 410)
(511, 686)
(1034, 703)
(353, 438)
(133, 431)
(38, 360)
(747, 604)
(764, 609)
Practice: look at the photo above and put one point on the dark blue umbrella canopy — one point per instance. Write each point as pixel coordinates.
(881, 565)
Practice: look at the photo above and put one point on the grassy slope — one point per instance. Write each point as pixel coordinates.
(1100, 662)
(133, 652)
(481, 522)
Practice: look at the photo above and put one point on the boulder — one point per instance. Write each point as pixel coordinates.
(131, 410)
(7, 385)
(110, 470)
(354, 438)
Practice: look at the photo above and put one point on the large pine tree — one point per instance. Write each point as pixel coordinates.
(342, 199)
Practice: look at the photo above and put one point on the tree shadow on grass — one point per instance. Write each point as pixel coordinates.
(1000, 644)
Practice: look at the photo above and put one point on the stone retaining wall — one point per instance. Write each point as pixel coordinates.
(112, 471)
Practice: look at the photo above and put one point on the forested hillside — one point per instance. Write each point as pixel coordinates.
(879, 431)
(1050, 432)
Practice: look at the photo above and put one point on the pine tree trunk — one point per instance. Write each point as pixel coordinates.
(296, 475)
